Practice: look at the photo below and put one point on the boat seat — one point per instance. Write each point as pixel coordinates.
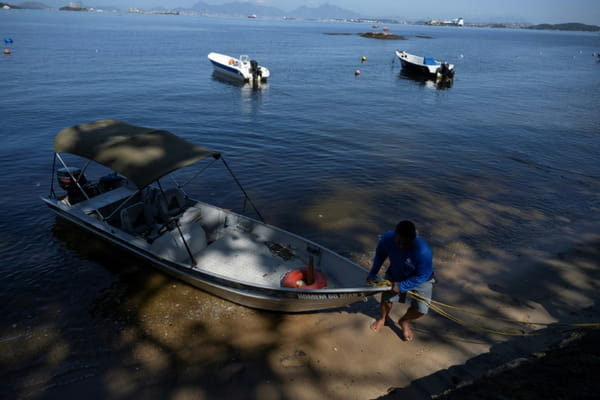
(162, 207)
(135, 219)
(169, 204)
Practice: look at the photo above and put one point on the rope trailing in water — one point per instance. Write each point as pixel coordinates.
(242, 189)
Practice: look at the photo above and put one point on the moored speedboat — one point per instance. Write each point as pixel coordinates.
(425, 65)
(243, 68)
(236, 257)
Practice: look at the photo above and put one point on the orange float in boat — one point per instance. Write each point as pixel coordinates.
(296, 278)
(231, 61)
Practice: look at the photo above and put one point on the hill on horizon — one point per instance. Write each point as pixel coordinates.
(246, 8)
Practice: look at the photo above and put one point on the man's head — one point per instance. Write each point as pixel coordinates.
(406, 233)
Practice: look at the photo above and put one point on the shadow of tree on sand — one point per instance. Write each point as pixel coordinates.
(132, 332)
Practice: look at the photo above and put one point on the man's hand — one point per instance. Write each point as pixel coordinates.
(395, 287)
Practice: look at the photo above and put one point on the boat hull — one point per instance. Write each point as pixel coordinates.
(416, 65)
(228, 71)
(253, 296)
(417, 69)
(237, 69)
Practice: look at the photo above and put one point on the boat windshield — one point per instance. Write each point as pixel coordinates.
(244, 58)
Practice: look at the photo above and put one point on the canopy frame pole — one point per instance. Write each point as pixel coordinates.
(242, 189)
(52, 192)
(192, 260)
(77, 183)
(197, 174)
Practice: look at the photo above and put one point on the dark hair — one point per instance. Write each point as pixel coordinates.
(406, 229)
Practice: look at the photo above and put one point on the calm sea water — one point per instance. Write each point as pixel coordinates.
(505, 154)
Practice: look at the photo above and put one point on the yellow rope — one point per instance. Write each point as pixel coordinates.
(381, 283)
(439, 308)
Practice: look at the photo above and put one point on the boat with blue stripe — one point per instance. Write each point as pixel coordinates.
(427, 66)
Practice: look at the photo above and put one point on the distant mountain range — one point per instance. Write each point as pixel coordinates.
(234, 9)
(570, 26)
(245, 8)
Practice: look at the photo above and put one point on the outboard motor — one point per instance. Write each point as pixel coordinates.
(255, 70)
(65, 180)
(445, 71)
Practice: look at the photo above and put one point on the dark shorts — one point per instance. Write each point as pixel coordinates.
(425, 290)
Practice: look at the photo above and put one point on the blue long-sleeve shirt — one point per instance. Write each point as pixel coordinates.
(409, 268)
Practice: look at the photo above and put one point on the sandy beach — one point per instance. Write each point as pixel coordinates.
(171, 341)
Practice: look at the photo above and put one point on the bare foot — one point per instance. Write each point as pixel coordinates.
(406, 331)
(376, 325)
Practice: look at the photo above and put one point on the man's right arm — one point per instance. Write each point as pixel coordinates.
(380, 256)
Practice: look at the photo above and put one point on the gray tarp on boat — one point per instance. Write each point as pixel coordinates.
(141, 154)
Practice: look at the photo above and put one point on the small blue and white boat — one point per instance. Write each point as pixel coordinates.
(427, 66)
(242, 69)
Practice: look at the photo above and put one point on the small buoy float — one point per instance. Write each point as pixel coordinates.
(231, 61)
(297, 278)
(363, 59)
(385, 28)
(305, 278)
(357, 72)
(6, 51)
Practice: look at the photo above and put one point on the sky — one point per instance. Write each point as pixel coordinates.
(534, 11)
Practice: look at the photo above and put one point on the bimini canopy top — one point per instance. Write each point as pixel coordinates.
(141, 154)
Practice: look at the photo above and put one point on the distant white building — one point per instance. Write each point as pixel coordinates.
(6, 7)
(74, 5)
(452, 22)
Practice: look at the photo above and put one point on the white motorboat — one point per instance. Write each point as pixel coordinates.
(233, 256)
(242, 68)
(427, 66)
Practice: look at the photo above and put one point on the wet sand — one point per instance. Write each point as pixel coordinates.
(173, 341)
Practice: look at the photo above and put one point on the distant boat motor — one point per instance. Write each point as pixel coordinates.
(255, 71)
(445, 72)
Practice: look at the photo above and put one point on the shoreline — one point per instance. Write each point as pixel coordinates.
(221, 350)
